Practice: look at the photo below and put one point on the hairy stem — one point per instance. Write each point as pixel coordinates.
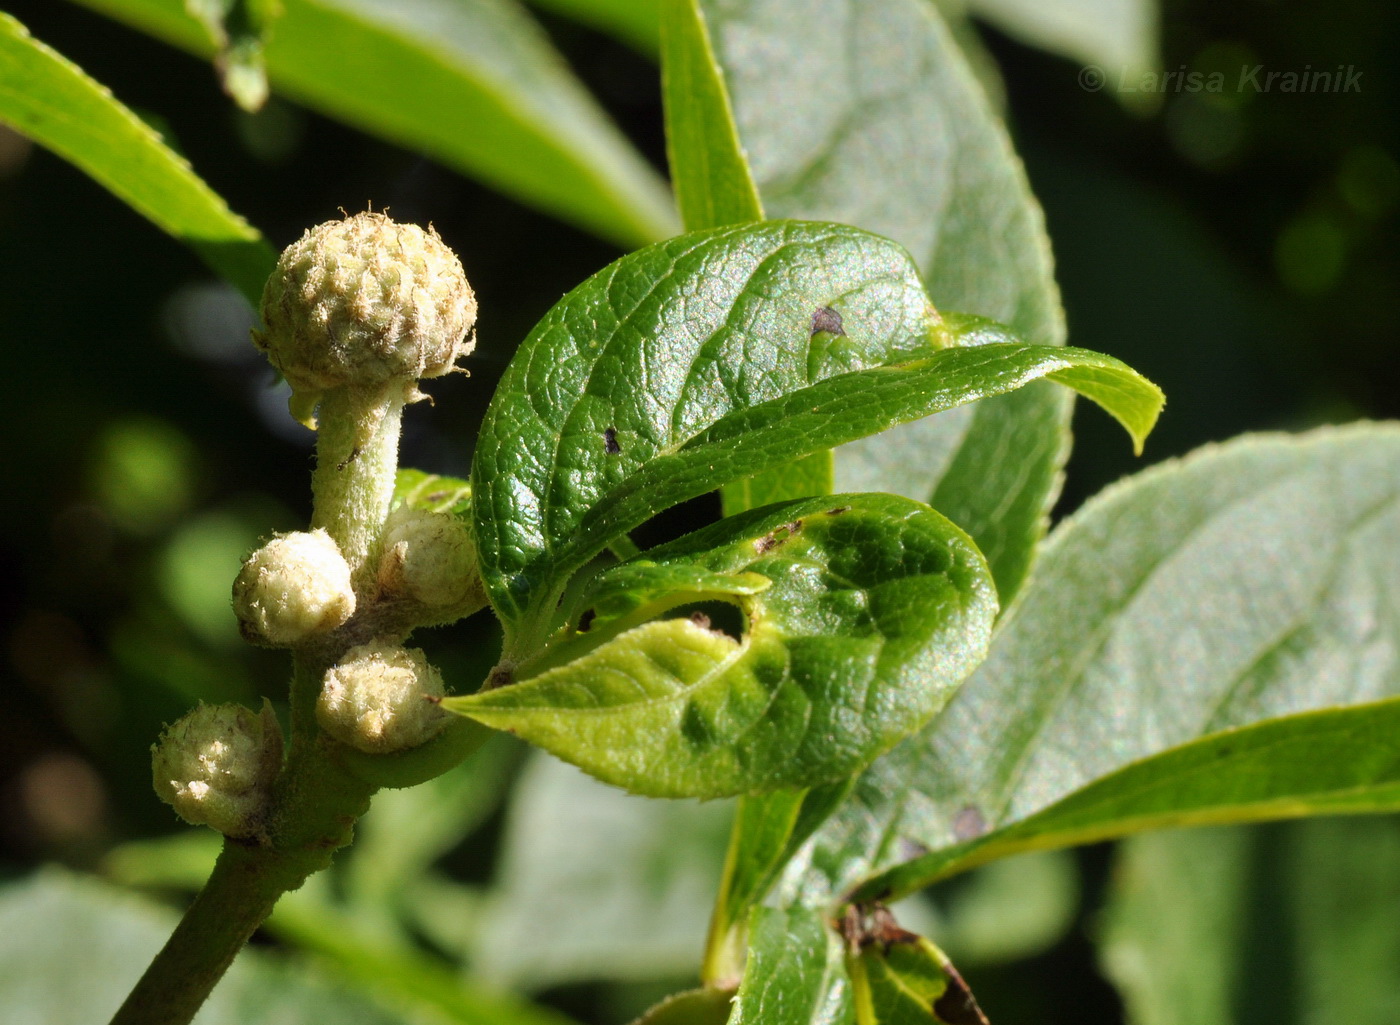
(357, 456)
(313, 813)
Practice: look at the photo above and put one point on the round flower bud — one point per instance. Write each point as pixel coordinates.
(430, 558)
(366, 302)
(381, 698)
(216, 765)
(292, 588)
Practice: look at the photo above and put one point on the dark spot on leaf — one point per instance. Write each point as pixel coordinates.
(610, 445)
(969, 823)
(695, 727)
(777, 536)
(501, 676)
(957, 1005)
(910, 849)
(438, 496)
(586, 620)
(700, 619)
(838, 510)
(828, 320)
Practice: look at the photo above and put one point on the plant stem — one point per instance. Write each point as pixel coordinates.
(240, 893)
(357, 457)
(315, 808)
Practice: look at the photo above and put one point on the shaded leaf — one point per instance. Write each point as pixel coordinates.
(70, 948)
(474, 84)
(593, 885)
(1195, 605)
(48, 98)
(1291, 924)
(906, 980)
(877, 608)
(239, 30)
(869, 115)
(1119, 36)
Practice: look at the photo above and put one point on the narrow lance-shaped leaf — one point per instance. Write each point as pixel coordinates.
(695, 362)
(868, 114)
(1143, 678)
(713, 188)
(475, 84)
(50, 99)
(876, 609)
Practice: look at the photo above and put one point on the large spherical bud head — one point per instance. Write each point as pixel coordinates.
(381, 698)
(216, 766)
(430, 558)
(295, 587)
(365, 302)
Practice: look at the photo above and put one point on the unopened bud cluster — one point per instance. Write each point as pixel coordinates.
(365, 302)
(216, 766)
(381, 698)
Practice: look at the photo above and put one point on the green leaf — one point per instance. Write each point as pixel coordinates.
(704, 1006)
(869, 115)
(1118, 36)
(877, 608)
(903, 979)
(48, 98)
(1291, 924)
(593, 885)
(432, 492)
(1008, 910)
(474, 84)
(239, 29)
(70, 948)
(713, 188)
(1143, 678)
(794, 974)
(708, 171)
(717, 327)
(633, 21)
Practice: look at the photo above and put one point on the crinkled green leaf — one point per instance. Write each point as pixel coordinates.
(475, 84)
(795, 974)
(877, 609)
(868, 114)
(48, 98)
(694, 362)
(1177, 659)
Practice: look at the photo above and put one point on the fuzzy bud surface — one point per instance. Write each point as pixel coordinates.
(381, 698)
(367, 302)
(216, 766)
(429, 557)
(294, 587)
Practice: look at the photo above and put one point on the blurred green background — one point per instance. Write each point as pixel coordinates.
(1241, 249)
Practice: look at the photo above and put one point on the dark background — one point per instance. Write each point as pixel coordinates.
(1239, 249)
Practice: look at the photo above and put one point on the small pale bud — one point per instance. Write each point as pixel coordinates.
(216, 766)
(365, 302)
(381, 698)
(429, 557)
(292, 588)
